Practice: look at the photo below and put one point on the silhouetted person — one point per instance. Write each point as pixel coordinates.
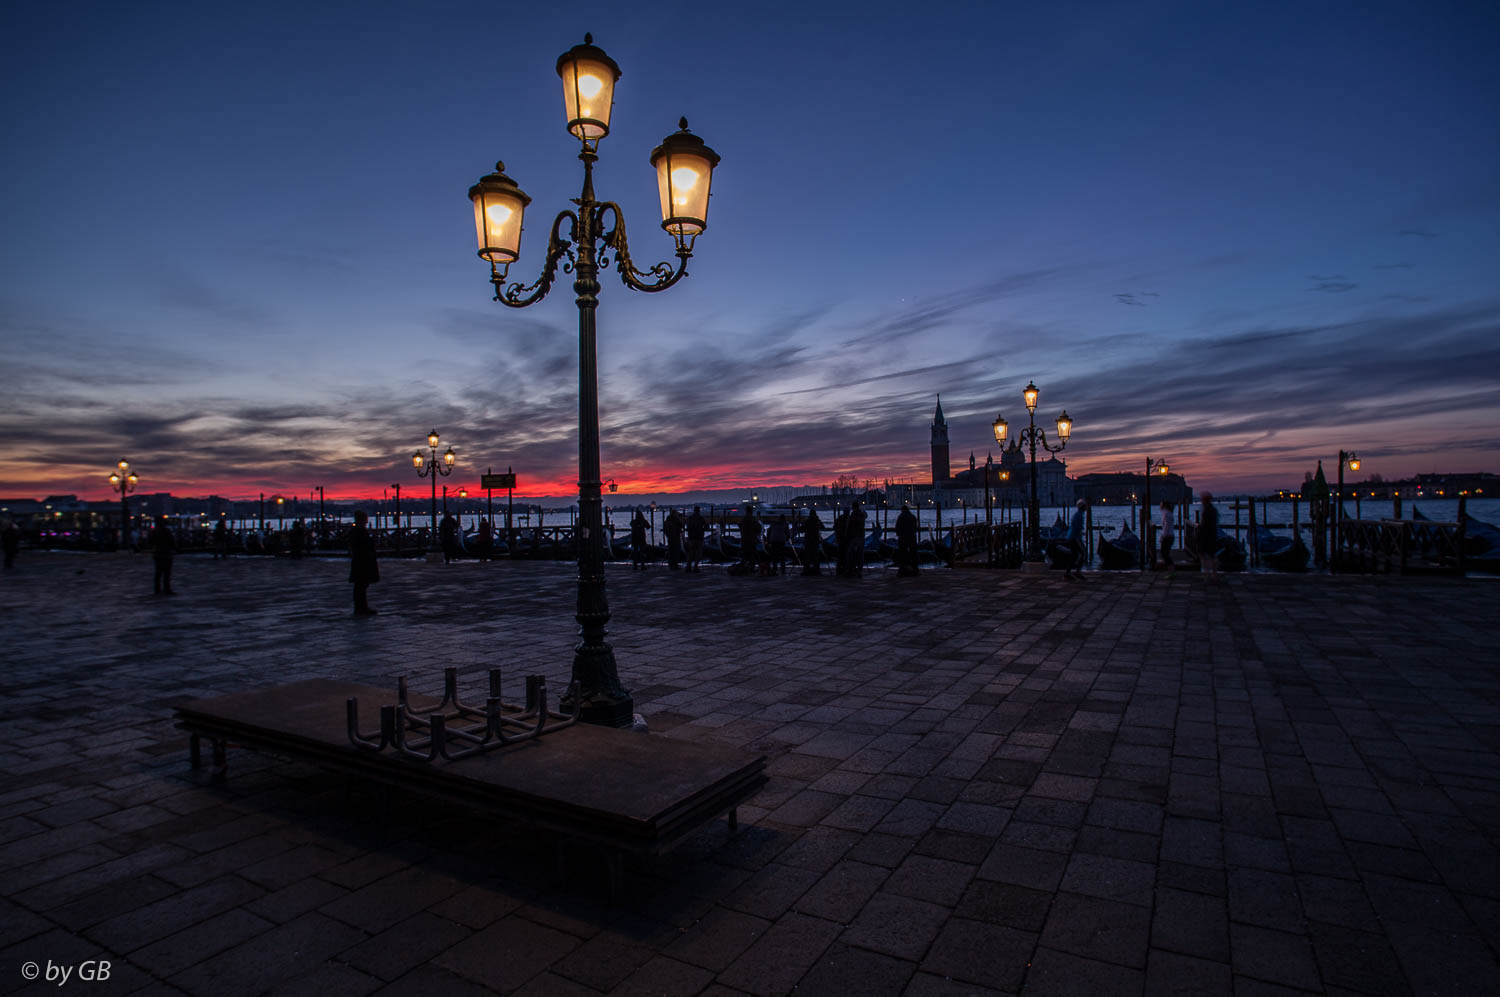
(486, 539)
(10, 539)
(841, 543)
(364, 568)
(638, 527)
(298, 537)
(221, 539)
(448, 537)
(749, 540)
(854, 537)
(812, 544)
(1208, 536)
(906, 542)
(163, 546)
(672, 526)
(1167, 534)
(1076, 549)
(777, 535)
(697, 526)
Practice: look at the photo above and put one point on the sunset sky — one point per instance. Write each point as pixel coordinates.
(238, 249)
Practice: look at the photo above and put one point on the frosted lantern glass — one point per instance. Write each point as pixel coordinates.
(682, 181)
(588, 94)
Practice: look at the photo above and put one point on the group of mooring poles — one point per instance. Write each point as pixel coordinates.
(454, 729)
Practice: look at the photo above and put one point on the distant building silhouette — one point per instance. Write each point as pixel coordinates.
(941, 474)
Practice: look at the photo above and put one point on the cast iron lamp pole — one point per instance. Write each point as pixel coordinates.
(432, 469)
(1034, 435)
(124, 481)
(1159, 465)
(684, 170)
(1350, 458)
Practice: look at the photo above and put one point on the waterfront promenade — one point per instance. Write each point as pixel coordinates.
(980, 782)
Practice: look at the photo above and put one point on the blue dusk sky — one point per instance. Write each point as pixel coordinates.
(238, 247)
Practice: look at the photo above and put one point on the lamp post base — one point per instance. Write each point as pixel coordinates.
(601, 699)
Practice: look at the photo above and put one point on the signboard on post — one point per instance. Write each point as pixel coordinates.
(497, 481)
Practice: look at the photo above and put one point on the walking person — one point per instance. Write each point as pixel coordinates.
(638, 527)
(163, 546)
(672, 527)
(10, 540)
(364, 569)
(812, 544)
(1208, 537)
(697, 526)
(1079, 552)
(906, 543)
(1167, 536)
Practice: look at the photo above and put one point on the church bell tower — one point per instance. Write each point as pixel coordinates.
(940, 470)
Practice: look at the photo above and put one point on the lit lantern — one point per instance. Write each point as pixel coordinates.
(588, 80)
(124, 466)
(1161, 469)
(416, 460)
(114, 479)
(499, 206)
(1001, 428)
(432, 439)
(684, 173)
(449, 457)
(1064, 426)
(1030, 394)
(1354, 462)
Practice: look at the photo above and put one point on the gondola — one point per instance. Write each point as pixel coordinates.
(1481, 545)
(1281, 553)
(1123, 552)
(1230, 552)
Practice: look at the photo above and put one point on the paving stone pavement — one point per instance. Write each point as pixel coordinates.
(980, 783)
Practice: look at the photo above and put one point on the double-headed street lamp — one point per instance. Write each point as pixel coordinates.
(1034, 435)
(124, 481)
(1158, 466)
(684, 170)
(431, 469)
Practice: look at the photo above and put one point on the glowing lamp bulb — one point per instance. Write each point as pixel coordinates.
(590, 85)
(499, 214)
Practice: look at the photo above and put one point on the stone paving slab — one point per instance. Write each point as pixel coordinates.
(979, 783)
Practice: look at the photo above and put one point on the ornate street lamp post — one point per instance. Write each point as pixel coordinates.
(431, 469)
(1034, 435)
(684, 171)
(1351, 459)
(1159, 466)
(124, 481)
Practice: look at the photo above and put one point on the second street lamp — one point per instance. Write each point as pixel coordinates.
(431, 469)
(1033, 435)
(124, 481)
(684, 171)
(1159, 466)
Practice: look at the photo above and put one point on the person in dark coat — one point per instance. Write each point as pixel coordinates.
(906, 542)
(672, 527)
(299, 536)
(221, 539)
(638, 527)
(778, 535)
(812, 544)
(697, 526)
(749, 541)
(163, 546)
(448, 537)
(364, 569)
(10, 539)
(854, 538)
(486, 539)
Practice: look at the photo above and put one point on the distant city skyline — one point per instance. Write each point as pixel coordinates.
(1240, 238)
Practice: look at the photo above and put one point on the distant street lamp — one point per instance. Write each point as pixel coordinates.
(280, 512)
(1034, 435)
(1158, 466)
(124, 481)
(431, 469)
(684, 171)
(1350, 458)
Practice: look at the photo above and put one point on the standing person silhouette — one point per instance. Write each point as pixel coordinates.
(812, 544)
(697, 526)
(1208, 537)
(906, 542)
(221, 539)
(448, 538)
(777, 536)
(364, 569)
(672, 527)
(163, 546)
(638, 527)
(749, 541)
(855, 539)
(1076, 547)
(1167, 535)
